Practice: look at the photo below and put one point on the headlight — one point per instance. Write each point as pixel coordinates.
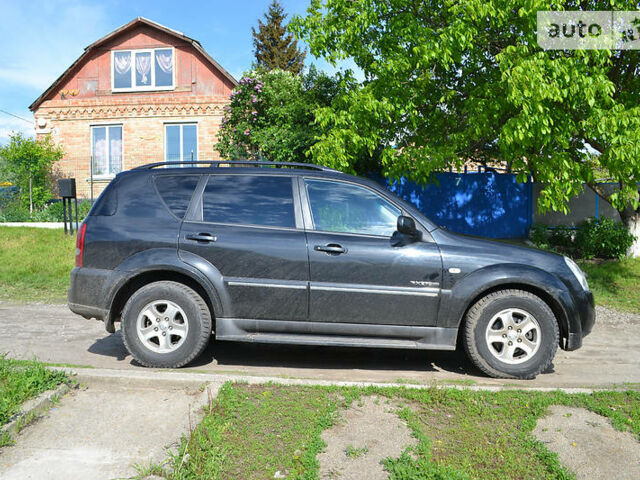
(577, 272)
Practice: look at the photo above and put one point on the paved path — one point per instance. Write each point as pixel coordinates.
(102, 430)
(53, 334)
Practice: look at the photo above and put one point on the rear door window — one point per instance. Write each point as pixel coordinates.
(262, 200)
(176, 191)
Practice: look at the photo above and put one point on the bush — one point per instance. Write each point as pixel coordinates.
(562, 236)
(52, 212)
(538, 235)
(14, 212)
(558, 239)
(603, 238)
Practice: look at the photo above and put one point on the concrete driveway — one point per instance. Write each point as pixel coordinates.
(53, 334)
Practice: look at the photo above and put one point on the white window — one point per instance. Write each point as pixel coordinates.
(106, 150)
(180, 142)
(148, 69)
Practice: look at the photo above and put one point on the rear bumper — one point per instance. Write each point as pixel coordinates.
(91, 292)
(88, 311)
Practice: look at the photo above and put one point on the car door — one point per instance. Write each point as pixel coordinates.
(358, 274)
(250, 229)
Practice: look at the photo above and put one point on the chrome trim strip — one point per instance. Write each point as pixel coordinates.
(268, 285)
(426, 292)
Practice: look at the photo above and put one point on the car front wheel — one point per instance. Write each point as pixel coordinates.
(166, 324)
(511, 334)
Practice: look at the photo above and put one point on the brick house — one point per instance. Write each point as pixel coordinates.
(143, 93)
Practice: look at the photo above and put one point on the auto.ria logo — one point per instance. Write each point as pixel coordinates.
(589, 30)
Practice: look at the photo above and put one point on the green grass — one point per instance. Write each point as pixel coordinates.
(35, 264)
(251, 432)
(21, 380)
(615, 283)
(353, 452)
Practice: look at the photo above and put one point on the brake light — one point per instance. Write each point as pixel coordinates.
(80, 244)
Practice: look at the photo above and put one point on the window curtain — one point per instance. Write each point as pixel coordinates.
(165, 62)
(143, 67)
(99, 151)
(115, 149)
(122, 62)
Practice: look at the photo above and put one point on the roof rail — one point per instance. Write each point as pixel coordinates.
(221, 163)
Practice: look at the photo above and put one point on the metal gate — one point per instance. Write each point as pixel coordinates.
(485, 204)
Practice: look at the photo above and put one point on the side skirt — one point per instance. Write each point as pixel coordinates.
(336, 334)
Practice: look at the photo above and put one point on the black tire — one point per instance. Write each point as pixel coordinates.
(198, 318)
(477, 346)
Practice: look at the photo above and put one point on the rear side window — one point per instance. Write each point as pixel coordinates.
(107, 203)
(176, 191)
(249, 200)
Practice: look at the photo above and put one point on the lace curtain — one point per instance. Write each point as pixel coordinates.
(165, 62)
(143, 67)
(122, 62)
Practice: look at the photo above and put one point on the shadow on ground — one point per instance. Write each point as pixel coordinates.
(237, 355)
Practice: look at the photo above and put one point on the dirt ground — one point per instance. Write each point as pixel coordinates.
(366, 434)
(53, 334)
(588, 444)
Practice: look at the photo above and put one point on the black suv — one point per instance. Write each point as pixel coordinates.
(308, 255)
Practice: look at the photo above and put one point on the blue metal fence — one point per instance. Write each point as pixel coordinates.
(484, 204)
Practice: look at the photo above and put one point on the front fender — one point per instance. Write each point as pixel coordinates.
(464, 292)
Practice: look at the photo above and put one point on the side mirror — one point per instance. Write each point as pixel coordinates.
(407, 226)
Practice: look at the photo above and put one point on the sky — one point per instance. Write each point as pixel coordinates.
(40, 39)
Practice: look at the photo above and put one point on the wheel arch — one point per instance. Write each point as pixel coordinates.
(552, 303)
(139, 280)
(469, 290)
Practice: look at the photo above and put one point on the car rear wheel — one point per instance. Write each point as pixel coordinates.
(166, 324)
(511, 334)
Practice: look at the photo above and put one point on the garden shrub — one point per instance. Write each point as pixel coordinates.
(538, 235)
(562, 236)
(603, 238)
(557, 239)
(52, 212)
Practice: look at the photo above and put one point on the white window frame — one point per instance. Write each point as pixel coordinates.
(181, 124)
(108, 143)
(143, 88)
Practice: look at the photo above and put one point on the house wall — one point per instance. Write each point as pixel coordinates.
(201, 92)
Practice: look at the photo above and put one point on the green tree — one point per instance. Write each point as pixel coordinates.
(465, 79)
(275, 48)
(27, 163)
(271, 115)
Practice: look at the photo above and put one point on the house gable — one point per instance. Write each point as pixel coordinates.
(90, 76)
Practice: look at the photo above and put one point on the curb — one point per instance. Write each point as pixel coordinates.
(33, 408)
(34, 224)
(176, 378)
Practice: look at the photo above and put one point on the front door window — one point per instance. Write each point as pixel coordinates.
(345, 208)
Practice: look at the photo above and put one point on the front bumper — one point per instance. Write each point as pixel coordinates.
(583, 321)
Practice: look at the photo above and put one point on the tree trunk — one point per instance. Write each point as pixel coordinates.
(632, 222)
(30, 197)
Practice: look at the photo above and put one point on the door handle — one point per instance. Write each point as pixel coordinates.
(331, 249)
(201, 237)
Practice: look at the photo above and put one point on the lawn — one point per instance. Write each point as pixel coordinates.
(253, 431)
(35, 264)
(21, 380)
(615, 283)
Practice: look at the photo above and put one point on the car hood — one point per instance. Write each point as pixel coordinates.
(470, 253)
